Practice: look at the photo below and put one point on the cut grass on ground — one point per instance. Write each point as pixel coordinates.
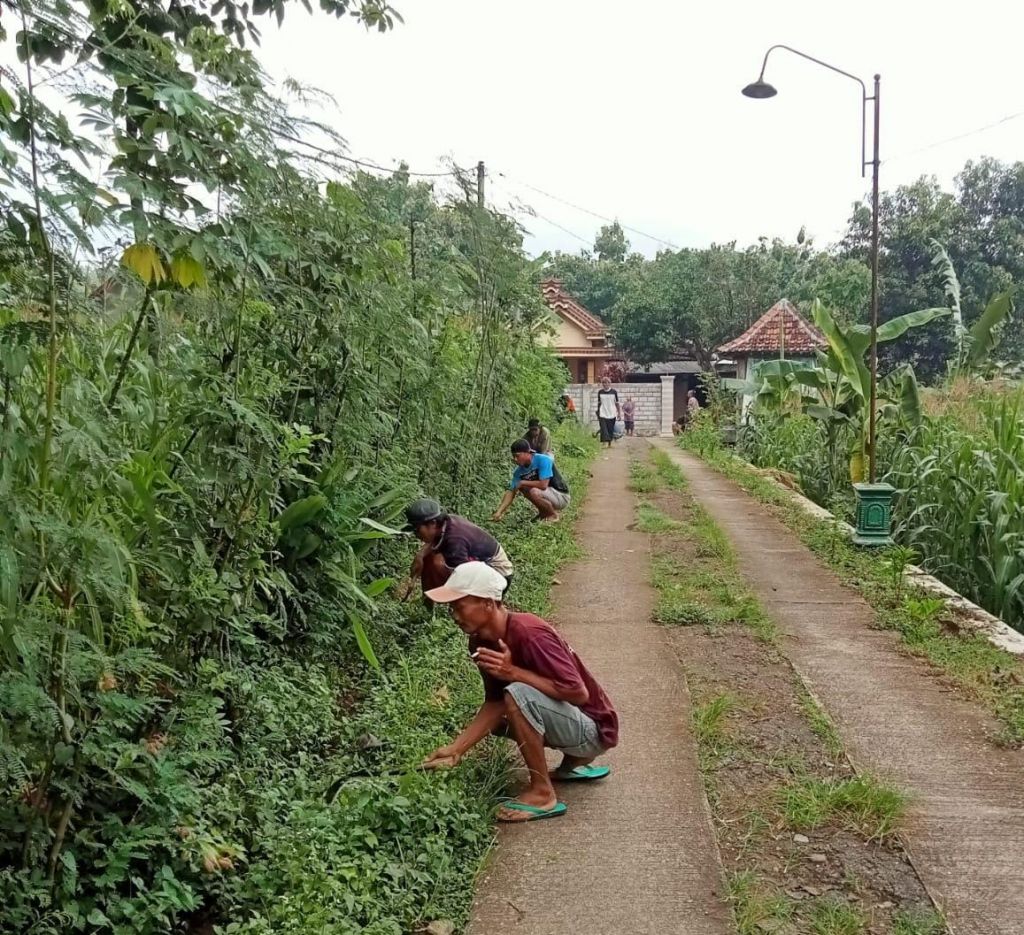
(989, 674)
(704, 589)
(862, 803)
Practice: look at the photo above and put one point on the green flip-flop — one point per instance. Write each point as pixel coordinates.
(534, 813)
(582, 774)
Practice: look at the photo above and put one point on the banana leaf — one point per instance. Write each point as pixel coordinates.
(984, 336)
(897, 327)
(847, 355)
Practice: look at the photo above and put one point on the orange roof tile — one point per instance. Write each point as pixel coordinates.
(762, 337)
(560, 302)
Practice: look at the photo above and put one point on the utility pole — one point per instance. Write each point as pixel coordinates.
(480, 184)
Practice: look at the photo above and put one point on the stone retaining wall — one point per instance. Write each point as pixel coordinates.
(654, 404)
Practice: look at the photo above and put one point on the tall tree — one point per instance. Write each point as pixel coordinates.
(611, 243)
(981, 225)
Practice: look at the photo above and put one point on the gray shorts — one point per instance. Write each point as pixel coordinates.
(562, 725)
(557, 499)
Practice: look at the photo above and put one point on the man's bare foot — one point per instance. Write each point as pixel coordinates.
(553, 518)
(544, 799)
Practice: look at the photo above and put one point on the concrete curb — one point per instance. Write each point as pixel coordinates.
(969, 615)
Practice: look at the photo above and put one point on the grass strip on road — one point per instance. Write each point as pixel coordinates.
(983, 671)
(809, 845)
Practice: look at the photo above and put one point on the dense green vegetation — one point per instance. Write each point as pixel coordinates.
(223, 371)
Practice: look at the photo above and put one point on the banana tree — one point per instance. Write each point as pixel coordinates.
(974, 344)
(844, 382)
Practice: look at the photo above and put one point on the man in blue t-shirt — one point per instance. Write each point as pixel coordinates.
(537, 479)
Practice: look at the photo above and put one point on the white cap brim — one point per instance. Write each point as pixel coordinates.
(445, 595)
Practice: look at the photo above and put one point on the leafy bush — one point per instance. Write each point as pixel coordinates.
(211, 413)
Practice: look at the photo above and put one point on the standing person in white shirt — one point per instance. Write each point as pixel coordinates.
(608, 410)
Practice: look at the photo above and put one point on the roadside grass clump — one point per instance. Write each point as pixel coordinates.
(829, 916)
(862, 803)
(822, 725)
(667, 470)
(757, 907)
(919, 922)
(709, 719)
(642, 478)
(706, 590)
(987, 673)
(651, 520)
(674, 610)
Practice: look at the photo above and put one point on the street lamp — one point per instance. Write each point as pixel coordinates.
(874, 500)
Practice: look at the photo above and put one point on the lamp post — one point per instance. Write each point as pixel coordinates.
(874, 500)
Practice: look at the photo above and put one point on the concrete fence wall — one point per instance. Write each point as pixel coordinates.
(654, 404)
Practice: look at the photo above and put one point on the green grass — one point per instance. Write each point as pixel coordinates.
(706, 590)
(919, 922)
(651, 520)
(862, 803)
(993, 676)
(821, 724)
(643, 478)
(709, 719)
(832, 917)
(757, 907)
(667, 471)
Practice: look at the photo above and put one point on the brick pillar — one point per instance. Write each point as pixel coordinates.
(668, 402)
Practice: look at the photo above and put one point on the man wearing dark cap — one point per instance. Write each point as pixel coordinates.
(449, 541)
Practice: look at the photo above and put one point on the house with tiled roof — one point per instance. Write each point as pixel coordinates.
(780, 332)
(583, 342)
(581, 339)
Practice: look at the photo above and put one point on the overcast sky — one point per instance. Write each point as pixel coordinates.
(633, 110)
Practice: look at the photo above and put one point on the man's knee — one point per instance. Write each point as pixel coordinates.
(512, 702)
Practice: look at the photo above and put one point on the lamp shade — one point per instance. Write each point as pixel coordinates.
(759, 90)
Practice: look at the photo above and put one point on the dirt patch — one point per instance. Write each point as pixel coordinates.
(764, 743)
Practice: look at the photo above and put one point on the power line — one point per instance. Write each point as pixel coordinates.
(603, 217)
(583, 240)
(959, 136)
(533, 212)
(363, 162)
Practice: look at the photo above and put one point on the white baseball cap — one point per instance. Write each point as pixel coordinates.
(471, 579)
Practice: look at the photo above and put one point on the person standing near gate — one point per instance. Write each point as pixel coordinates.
(629, 415)
(608, 410)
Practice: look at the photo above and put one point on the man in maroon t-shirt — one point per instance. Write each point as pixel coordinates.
(535, 688)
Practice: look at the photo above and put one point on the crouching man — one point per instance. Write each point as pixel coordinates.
(537, 479)
(536, 690)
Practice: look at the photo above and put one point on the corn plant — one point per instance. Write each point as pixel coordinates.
(963, 504)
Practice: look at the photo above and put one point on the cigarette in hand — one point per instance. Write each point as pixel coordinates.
(474, 654)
